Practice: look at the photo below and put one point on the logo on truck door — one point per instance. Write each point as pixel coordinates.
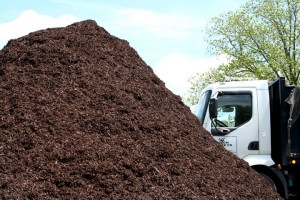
(229, 142)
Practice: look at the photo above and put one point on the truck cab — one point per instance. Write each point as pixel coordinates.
(251, 120)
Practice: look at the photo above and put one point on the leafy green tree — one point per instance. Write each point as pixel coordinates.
(198, 82)
(261, 39)
(201, 80)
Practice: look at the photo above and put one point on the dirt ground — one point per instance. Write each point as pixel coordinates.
(82, 116)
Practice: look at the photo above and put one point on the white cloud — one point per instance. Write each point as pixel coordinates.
(162, 25)
(29, 21)
(175, 69)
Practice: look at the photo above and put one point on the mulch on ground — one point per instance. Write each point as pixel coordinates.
(82, 116)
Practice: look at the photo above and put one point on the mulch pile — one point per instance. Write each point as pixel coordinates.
(82, 116)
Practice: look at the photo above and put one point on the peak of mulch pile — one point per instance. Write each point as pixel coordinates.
(83, 117)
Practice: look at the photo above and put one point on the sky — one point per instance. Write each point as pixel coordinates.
(168, 35)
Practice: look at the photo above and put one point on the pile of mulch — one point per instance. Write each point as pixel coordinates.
(82, 116)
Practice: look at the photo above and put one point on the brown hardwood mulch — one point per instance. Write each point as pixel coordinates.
(82, 116)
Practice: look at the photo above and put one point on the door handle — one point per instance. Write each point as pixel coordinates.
(254, 145)
(224, 130)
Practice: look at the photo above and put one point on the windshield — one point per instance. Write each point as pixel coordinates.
(202, 105)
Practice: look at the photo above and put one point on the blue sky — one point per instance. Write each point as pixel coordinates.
(168, 35)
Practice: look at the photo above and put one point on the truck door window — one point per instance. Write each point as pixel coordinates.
(202, 105)
(234, 109)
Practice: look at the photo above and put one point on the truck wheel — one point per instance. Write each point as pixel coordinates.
(270, 182)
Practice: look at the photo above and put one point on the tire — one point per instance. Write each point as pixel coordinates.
(270, 182)
(274, 178)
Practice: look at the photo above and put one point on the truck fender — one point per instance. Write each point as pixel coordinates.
(259, 160)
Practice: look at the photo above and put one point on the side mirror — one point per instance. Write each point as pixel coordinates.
(213, 108)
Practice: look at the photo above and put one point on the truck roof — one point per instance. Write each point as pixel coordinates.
(259, 84)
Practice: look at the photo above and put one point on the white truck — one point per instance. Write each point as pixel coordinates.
(259, 123)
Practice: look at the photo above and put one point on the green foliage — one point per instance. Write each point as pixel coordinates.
(261, 39)
(201, 80)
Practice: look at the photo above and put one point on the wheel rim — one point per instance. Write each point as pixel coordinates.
(270, 182)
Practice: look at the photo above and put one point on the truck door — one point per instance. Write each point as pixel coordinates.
(236, 122)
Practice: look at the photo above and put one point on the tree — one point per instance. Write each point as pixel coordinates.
(261, 39)
(201, 80)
